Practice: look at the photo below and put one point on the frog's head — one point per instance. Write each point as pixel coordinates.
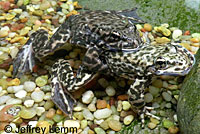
(173, 59)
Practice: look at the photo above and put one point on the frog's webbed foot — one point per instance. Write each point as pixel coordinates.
(64, 81)
(25, 59)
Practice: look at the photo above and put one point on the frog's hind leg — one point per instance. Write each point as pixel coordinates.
(38, 46)
(136, 98)
(64, 81)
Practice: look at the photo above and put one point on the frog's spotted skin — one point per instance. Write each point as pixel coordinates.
(138, 65)
(103, 29)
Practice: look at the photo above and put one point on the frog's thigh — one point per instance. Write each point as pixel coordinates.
(92, 62)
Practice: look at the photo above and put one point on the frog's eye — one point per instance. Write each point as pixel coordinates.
(160, 63)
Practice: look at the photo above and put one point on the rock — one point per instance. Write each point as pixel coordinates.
(29, 86)
(101, 104)
(92, 107)
(128, 119)
(44, 124)
(3, 33)
(166, 96)
(119, 106)
(50, 113)
(49, 104)
(88, 115)
(99, 130)
(173, 130)
(15, 89)
(148, 97)
(126, 105)
(21, 94)
(87, 97)
(58, 118)
(110, 91)
(13, 101)
(154, 90)
(104, 125)
(37, 96)
(102, 113)
(167, 123)
(151, 125)
(27, 113)
(72, 123)
(115, 125)
(176, 34)
(158, 83)
(28, 103)
(4, 99)
(83, 124)
(40, 110)
(122, 97)
(103, 82)
(147, 27)
(41, 81)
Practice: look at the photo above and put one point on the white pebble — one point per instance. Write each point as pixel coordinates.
(128, 119)
(3, 99)
(72, 123)
(92, 107)
(176, 34)
(102, 113)
(88, 115)
(47, 96)
(126, 105)
(33, 123)
(111, 132)
(13, 101)
(29, 86)
(40, 110)
(87, 97)
(28, 103)
(110, 91)
(37, 96)
(98, 122)
(79, 107)
(15, 89)
(21, 94)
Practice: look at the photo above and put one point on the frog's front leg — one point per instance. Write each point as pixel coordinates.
(64, 81)
(136, 98)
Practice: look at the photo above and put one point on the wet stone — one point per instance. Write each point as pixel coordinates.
(115, 125)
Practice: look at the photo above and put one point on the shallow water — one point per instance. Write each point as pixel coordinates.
(184, 14)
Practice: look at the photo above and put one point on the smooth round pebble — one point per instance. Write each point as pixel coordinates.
(83, 124)
(41, 81)
(71, 123)
(126, 105)
(128, 119)
(4, 99)
(87, 97)
(102, 113)
(13, 101)
(40, 110)
(27, 113)
(115, 125)
(176, 34)
(29, 86)
(110, 91)
(166, 96)
(151, 125)
(101, 104)
(88, 115)
(148, 97)
(92, 107)
(21, 94)
(28, 103)
(37, 96)
(15, 89)
(99, 130)
(154, 90)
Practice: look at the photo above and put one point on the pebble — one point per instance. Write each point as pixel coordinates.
(15, 89)
(40, 110)
(28, 103)
(103, 82)
(128, 119)
(147, 27)
(101, 104)
(92, 107)
(115, 125)
(176, 34)
(72, 123)
(110, 91)
(88, 115)
(126, 105)
(151, 125)
(41, 81)
(154, 90)
(102, 113)
(37, 96)
(122, 97)
(50, 113)
(13, 101)
(29, 86)
(99, 130)
(58, 118)
(119, 106)
(173, 130)
(148, 97)
(98, 122)
(87, 97)
(155, 121)
(49, 104)
(83, 124)
(21, 94)
(4, 99)
(104, 125)
(27, 113)
(3, 33)
(166, 96)
(167, 123)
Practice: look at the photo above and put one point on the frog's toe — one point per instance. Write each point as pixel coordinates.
(62, 98)
(24, 61)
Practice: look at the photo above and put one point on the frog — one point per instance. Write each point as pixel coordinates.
(102, 29)
(138, 65)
